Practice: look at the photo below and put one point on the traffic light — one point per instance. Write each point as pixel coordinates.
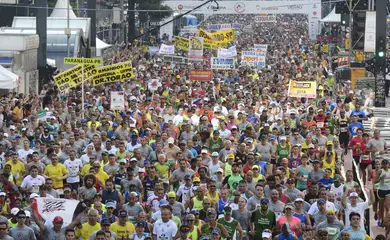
(344, 19)
(358, 29)
(381, 48)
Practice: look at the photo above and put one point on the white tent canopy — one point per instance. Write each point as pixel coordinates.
(8, 79)
(332, 17)
(61, 10)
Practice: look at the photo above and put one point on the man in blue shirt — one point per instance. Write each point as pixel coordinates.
(355, 125)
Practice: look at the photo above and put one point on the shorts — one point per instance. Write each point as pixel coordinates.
(383, 193)
(357, 159)
(344, 139)
(364, 165)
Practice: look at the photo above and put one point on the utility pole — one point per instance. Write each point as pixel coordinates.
(380, 53)
(350, 45)
(121, 29)
(92, 15)
(41, 28)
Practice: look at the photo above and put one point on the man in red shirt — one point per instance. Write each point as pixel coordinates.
(356, 145)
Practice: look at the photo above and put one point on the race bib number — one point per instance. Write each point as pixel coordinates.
(332, 231)
(343, 130)
(320, 124)
(304, 177)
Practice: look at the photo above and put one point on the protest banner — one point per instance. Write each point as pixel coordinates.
(117, 100)
(219, 27)
(214, 45)
(73, 77)
(166, 49)
(200, 75)
(152, 50)
(265, 18)
(253, 59)
(113, 73)
(260, 47)
(49, 208)
(182, 43)
(227, 53)
(220, 36)
(307, 89)
(222, 63)
(175, 59)
(236, 26)
(195, 49)
(153, 84)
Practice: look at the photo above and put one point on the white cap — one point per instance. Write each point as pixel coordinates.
(14, 211)
(141, 170)
(220, 170)
(214, 154)
(12, 127)
(353, 194)
(204, 151)
(311, 145)
(132, 125)
(25, 120)
(299, 200)
(3, 194)
(28, 214)
(266, 235)
(133, 98)
(34, 195)
(133, 160)
(171, 140)
(283, 138)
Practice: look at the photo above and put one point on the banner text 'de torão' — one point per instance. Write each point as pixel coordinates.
(220, 36)
(305, 89)
(73, 77)
(113, 73)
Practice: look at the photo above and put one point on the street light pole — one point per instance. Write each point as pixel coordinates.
(68, 31)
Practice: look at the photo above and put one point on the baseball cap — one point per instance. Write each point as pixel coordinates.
(311, 145)
(14, 211)
(140, 224)
(230, 156)
(20, 213)
(123, 160)
(122, 213)
(214, 154)
(264, 201)
(320, 201)
(171, 140)
(288, 206)
(58, 219)
(105, 222)
(255, 167)
(195, 211)
(227, 210)
(110, 205)
(329, 143)
(28, 214)
(299, 200)
(353, 194)
(133, 160)
(187, 177)
(216, 231)
(284, 160)
(67, 189)
(220, 170)
(171, 195)
(266, 235)
(3, 194)
(204, 151)
(196, 179)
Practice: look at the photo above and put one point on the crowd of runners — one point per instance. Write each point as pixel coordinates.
(232, 158)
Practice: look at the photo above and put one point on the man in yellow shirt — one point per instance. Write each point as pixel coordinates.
(89, 227)
(56, 171)
(122, 228)
(100, 174)
(18, 169)
(86, 167)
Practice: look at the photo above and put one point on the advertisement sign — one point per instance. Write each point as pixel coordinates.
(253, 59)
(195, 49)
(113, 73)
(370, 32)
(117, 100)
(222, 63)
(265, 19)
(227, 53)
(200, 75)
(182, 43)
(166, 49)
(307, 89)
(219, 27)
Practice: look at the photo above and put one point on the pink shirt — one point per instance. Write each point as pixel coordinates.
(294, 224)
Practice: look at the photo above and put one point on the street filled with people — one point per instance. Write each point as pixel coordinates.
(236, 157)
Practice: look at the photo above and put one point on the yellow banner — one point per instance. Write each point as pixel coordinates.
(220, 36)
(73, 77)
(86, 61)
(182, 43)
(307, 89)
(214, 45)
(113, 73)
